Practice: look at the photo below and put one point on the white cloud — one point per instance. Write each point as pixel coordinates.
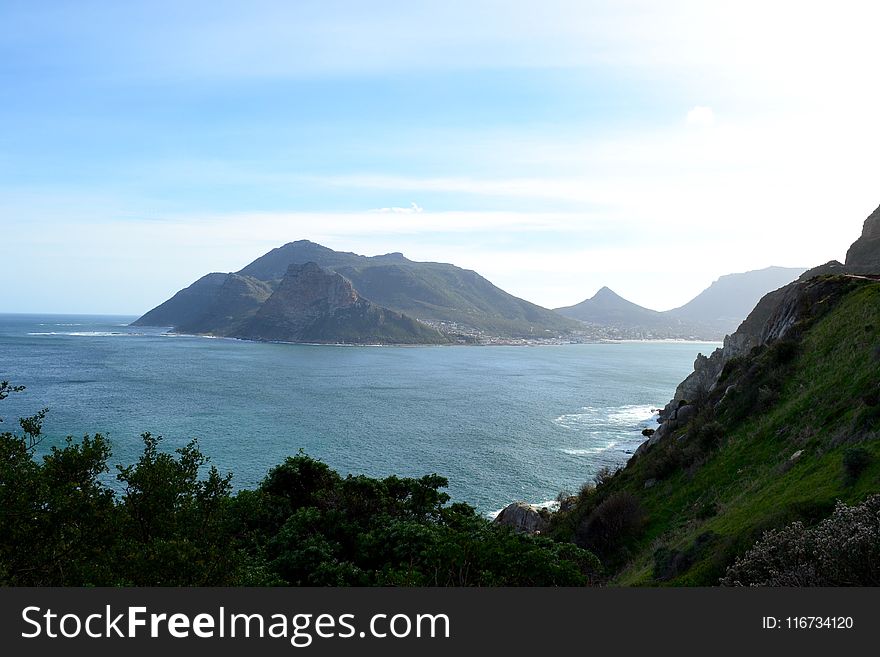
(414, 208)
(701, 116)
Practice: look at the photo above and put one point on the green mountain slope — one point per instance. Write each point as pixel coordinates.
(770, 443)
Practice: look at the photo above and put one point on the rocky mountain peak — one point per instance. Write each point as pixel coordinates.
(871, 228)
(307, 285)
(863, 256)
(606, 292)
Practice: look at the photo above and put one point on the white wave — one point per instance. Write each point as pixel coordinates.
(591, 450)
(86, 334)
(615, 417)
(631, 415)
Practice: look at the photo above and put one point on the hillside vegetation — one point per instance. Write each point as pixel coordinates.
(790, 429)
(173, 521)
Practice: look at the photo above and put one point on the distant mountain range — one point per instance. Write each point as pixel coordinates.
(345, 297)
(712, 314)
(305, 292)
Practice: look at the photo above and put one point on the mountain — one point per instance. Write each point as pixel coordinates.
(312, 304)
(726, 302)
(770, 443)
(711, 315)
(629, 320)
(608, 308)
(456, 301)
(445, 295)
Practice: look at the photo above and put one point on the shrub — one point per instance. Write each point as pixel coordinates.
(670, 563)
(783, 352)
(609, 525)
(708, 436)
(842, 550)
(604, 476)
(662, 461)
(855, 461)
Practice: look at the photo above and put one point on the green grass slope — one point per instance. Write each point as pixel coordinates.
(774, 443)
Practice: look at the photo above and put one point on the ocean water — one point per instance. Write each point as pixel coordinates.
(501, 423)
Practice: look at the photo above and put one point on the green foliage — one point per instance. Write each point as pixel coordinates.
(324, 530)
(615, 520)
(173, 521)
(843, 550)
(855, 461)
(669, 562)
(177, 523)
(7, 389)
(766, 449)
(54, 515)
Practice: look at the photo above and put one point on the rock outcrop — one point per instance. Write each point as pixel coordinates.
(306, 294)
(863, 256)
(524, 518)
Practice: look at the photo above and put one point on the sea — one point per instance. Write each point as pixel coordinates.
(502, 423)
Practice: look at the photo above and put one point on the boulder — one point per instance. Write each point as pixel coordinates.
(523, 518)
(685, 413)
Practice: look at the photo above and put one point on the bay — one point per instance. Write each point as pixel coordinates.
(503, 423)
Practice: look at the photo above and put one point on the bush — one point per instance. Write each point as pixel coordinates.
(855, 461)
(662, 461)
(783, 352)
(842, 550)
(604, 476)
(670, 563)
(707, 436)
(618, 518)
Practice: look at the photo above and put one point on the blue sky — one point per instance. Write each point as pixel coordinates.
(553, 147)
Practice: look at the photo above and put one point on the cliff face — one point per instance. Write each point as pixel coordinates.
(306, 293)
(863, 256)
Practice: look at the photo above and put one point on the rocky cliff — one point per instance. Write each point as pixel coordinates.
(863, 256)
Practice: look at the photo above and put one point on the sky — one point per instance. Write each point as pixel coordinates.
(555, 147)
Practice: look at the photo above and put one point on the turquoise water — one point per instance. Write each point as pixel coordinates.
(502, 423)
